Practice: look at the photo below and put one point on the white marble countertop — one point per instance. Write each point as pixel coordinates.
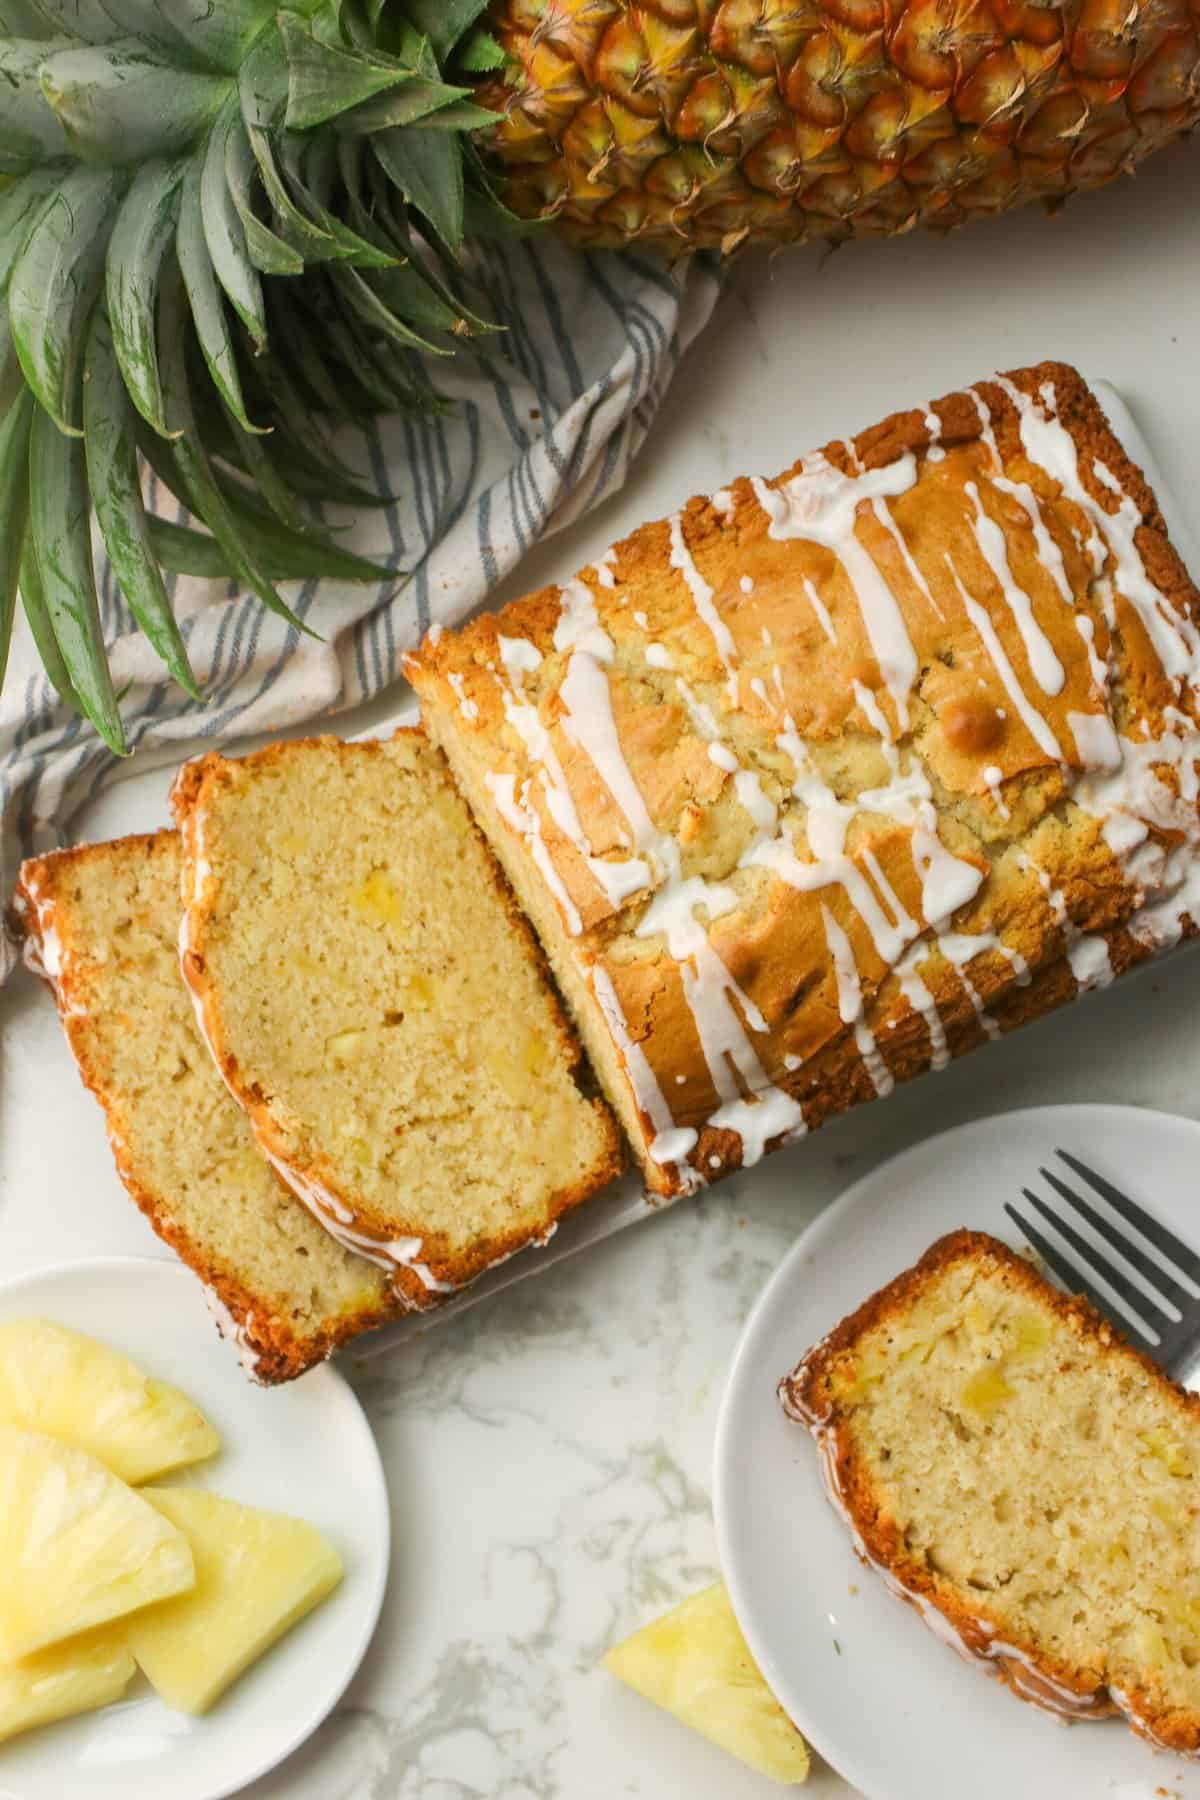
(549, 1453)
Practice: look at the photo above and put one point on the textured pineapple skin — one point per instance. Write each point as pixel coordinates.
(257, 1574)
(79, 1391)
(75, 1677)
(694, 1662)
(692, 124)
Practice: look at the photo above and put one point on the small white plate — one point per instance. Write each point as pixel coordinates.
(304, 1449)
(894, 1710)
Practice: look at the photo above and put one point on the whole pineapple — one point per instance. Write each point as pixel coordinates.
(217, 221)
(709, 123)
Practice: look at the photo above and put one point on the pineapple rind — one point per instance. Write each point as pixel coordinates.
(82, 1392)
(695, 1663)
(257, 1574)
(80, 1548)
(76, 1677)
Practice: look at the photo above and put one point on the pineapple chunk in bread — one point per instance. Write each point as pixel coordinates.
(695, 1663)
(79, 1547)
(1028, 1480)
(828, 778)
(74, 1677)
(257, 1574)
(72, 1388)
(377, 1004)
(102, 926)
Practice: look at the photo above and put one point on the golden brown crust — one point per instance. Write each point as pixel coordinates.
(318, 1179)
(808, 1395)
(279, 1352)
(1005, 805)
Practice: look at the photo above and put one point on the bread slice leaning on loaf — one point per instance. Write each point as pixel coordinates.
(830, 777)
(1025, 1478)
(378, 1006)
(101, 925)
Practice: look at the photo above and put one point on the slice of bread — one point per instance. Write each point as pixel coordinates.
(377, 1004)
(1025, 1478)
(101, 925)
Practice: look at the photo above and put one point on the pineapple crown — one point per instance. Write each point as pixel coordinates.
(217, 219)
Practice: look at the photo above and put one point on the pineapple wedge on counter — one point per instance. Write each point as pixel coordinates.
(72, 1388)
(695, 1663)
(77, 1677)
(257, 1574)
(80, 1548)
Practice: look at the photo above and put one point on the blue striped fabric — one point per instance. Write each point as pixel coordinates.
(546, 417)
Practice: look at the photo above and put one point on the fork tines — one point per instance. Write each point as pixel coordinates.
(1157, 1307)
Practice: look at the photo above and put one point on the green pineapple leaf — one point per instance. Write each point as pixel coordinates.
(141, 238)
(14, 510)
(204, 297)
(116, 104)
(112, 470)
(33, 600)
(60, 530)
(55, 279)
(224, 232)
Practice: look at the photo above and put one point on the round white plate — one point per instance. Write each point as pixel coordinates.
(304, 1449)
(894, 1710)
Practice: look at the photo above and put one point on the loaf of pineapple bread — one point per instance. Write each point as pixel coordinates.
(1025, 1478)
(826, 779)
(101, 925)
(378, 1006)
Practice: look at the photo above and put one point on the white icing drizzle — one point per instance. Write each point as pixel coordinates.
(1033, 721)
(466, 707)
(883, 513)
(1090, 962)
(960, 949)
(1095, 740)
(523, 818)
(819, 504)
(604, 566)
(238, 1335)
(1046, 441)
(723, 757)
(1097, 667)
(917, 993)
(746, 583)
(1044, 663)
(850, 1003)
(1049, 555)
(933, 426)
(659, 657)
(702, 598)
(722, 501)
(993, 780)
(671, 1143)
(819, 607)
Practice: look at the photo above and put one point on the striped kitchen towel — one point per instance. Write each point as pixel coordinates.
(545, 420)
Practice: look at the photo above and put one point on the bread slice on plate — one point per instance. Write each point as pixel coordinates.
(377, 1004)
(101, 925)
(1025, 1478)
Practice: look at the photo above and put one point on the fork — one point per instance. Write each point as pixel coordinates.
(1163, 1314)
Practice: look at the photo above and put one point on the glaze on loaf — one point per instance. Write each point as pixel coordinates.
(829, 778)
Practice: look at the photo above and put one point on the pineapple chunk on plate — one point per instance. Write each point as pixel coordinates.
(75, 1389)
(76, 1677)
(257, 1574)
(694, 1662)
(80, 1548)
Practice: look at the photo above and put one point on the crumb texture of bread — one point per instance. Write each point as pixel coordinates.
(1028, 1480)
(101, 924)
(379, 1007)
(829, 778)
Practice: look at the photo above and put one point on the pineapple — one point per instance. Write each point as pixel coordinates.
(74, 1677)
(694, 1662)
(161, 172)
(80, 1548)
(257, 1574)
(81, 1392)
(712, 123)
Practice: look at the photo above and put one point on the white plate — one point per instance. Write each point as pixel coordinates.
(305, 1449)
(881, 1698)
